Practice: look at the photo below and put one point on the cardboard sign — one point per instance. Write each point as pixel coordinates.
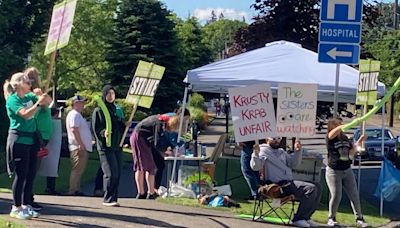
(252, 112)
(145, 83)
(60, 26)
(368, 82)
(296, 110)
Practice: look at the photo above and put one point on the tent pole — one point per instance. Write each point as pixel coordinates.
(383, 154)
(335, 98)
(179, 132)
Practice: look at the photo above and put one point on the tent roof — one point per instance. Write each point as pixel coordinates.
(279, 61)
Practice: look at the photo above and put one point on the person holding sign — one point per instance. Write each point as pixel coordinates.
(110, 153)
(339, 173)
(277, 165)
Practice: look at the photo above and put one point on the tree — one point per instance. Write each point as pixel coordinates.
(213, 17)
(81, 65)
(291, 20)
(193, 52)
(220, 34)
(221, 16)
(143, 31)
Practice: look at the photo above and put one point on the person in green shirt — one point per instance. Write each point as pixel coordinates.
(21, 106)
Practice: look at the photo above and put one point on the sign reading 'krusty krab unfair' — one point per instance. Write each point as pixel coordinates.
(252, 112)
(296, 110)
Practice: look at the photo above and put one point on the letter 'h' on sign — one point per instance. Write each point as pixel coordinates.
(340, 31)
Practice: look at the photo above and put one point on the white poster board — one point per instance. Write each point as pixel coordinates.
(296, 110)
(253, 113)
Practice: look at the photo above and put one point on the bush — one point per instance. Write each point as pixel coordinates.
(196, 101)
(200, 116)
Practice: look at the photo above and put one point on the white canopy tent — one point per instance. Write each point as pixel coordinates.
(279, 61)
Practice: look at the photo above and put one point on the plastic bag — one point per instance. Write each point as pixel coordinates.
(389, 182)
(218, 201)
(179, 191)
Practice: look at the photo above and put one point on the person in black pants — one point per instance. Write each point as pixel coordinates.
(110, 154)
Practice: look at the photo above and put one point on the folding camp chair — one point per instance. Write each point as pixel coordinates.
(265, 209)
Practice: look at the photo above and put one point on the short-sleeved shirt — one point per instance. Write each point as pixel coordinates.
(338, 152)
(44, 122)
(75, 119)
(14, 104)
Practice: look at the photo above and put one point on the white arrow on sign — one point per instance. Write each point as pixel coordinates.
(333, 53)
(351, 8)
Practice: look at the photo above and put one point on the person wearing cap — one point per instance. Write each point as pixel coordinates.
(277, 165)
(110, 154)
(21, 106)
(79, 143)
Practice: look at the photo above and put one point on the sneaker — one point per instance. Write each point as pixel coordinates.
(36, 206)
(361, 223)
(112, 204)
(300, 223)
(53, 192)
(332, 222)
(30, 211)
(19, 213)
(313, 224)
(151, 196)
(141, 196)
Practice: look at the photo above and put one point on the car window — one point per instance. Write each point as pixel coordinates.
(376, 134)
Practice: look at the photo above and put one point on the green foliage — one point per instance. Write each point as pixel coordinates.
(199, 115)
(220, 34)
(143, 31)
(197, 101)
(194, 178)
(81, 65)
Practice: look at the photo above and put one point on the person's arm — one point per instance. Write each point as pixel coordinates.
(97, 124)
(354, 147)
(335, 132)
(256, 163)
(74, 125)
(295, 159)
(27, 113)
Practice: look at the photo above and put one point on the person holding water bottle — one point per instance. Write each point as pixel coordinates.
(339, 173)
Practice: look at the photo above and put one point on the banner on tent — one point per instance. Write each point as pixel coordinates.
(60, 25)
(296, 110)
(253, 113)
(145, 83)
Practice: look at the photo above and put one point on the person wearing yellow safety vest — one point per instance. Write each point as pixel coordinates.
(108, 127)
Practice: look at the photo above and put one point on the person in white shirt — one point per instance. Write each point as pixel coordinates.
(79, 143)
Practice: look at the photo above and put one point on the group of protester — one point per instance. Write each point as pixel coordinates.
(31, 126)
(268, 163)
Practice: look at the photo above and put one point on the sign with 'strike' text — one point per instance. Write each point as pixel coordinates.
(296, 110)
(253, 113)
(368, 82)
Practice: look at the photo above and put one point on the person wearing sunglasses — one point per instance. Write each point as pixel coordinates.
(277, 166)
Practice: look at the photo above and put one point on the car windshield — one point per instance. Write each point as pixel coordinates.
(376, 134)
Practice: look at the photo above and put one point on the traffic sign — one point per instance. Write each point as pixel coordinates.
(340, 31)
(338, 53)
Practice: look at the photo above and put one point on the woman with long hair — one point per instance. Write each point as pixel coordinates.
(339, 174)
(21, 106)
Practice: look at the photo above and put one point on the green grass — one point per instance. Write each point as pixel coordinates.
(344, 216)
(5, 223)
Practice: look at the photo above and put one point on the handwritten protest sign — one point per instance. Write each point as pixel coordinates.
(252, 112)
(296, 110)
(60, 26)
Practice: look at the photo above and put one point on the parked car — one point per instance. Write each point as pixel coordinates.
(373, 145)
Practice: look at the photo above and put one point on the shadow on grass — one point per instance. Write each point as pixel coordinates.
(67, 211)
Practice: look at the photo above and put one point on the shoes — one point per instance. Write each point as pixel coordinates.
(112, 204)
(151, 196)
(332, 222)
(300, 223)
(141, 196)
(35, 206)
(53, 192)
(361, 223)
(19, 213)
(31, 211)
(98, 193)
(313, 224)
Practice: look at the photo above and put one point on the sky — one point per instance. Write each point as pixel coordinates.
(201, 9)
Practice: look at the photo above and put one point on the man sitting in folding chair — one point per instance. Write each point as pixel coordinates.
(277, 167)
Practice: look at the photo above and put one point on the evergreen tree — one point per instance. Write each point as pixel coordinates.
(221, 16)
(143, 31)
(213, 17)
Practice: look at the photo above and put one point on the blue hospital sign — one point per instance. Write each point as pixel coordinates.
(340, 31)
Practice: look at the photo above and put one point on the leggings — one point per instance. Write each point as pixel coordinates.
(25, 157)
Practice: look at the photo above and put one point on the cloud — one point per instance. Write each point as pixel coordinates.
(230, 13)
